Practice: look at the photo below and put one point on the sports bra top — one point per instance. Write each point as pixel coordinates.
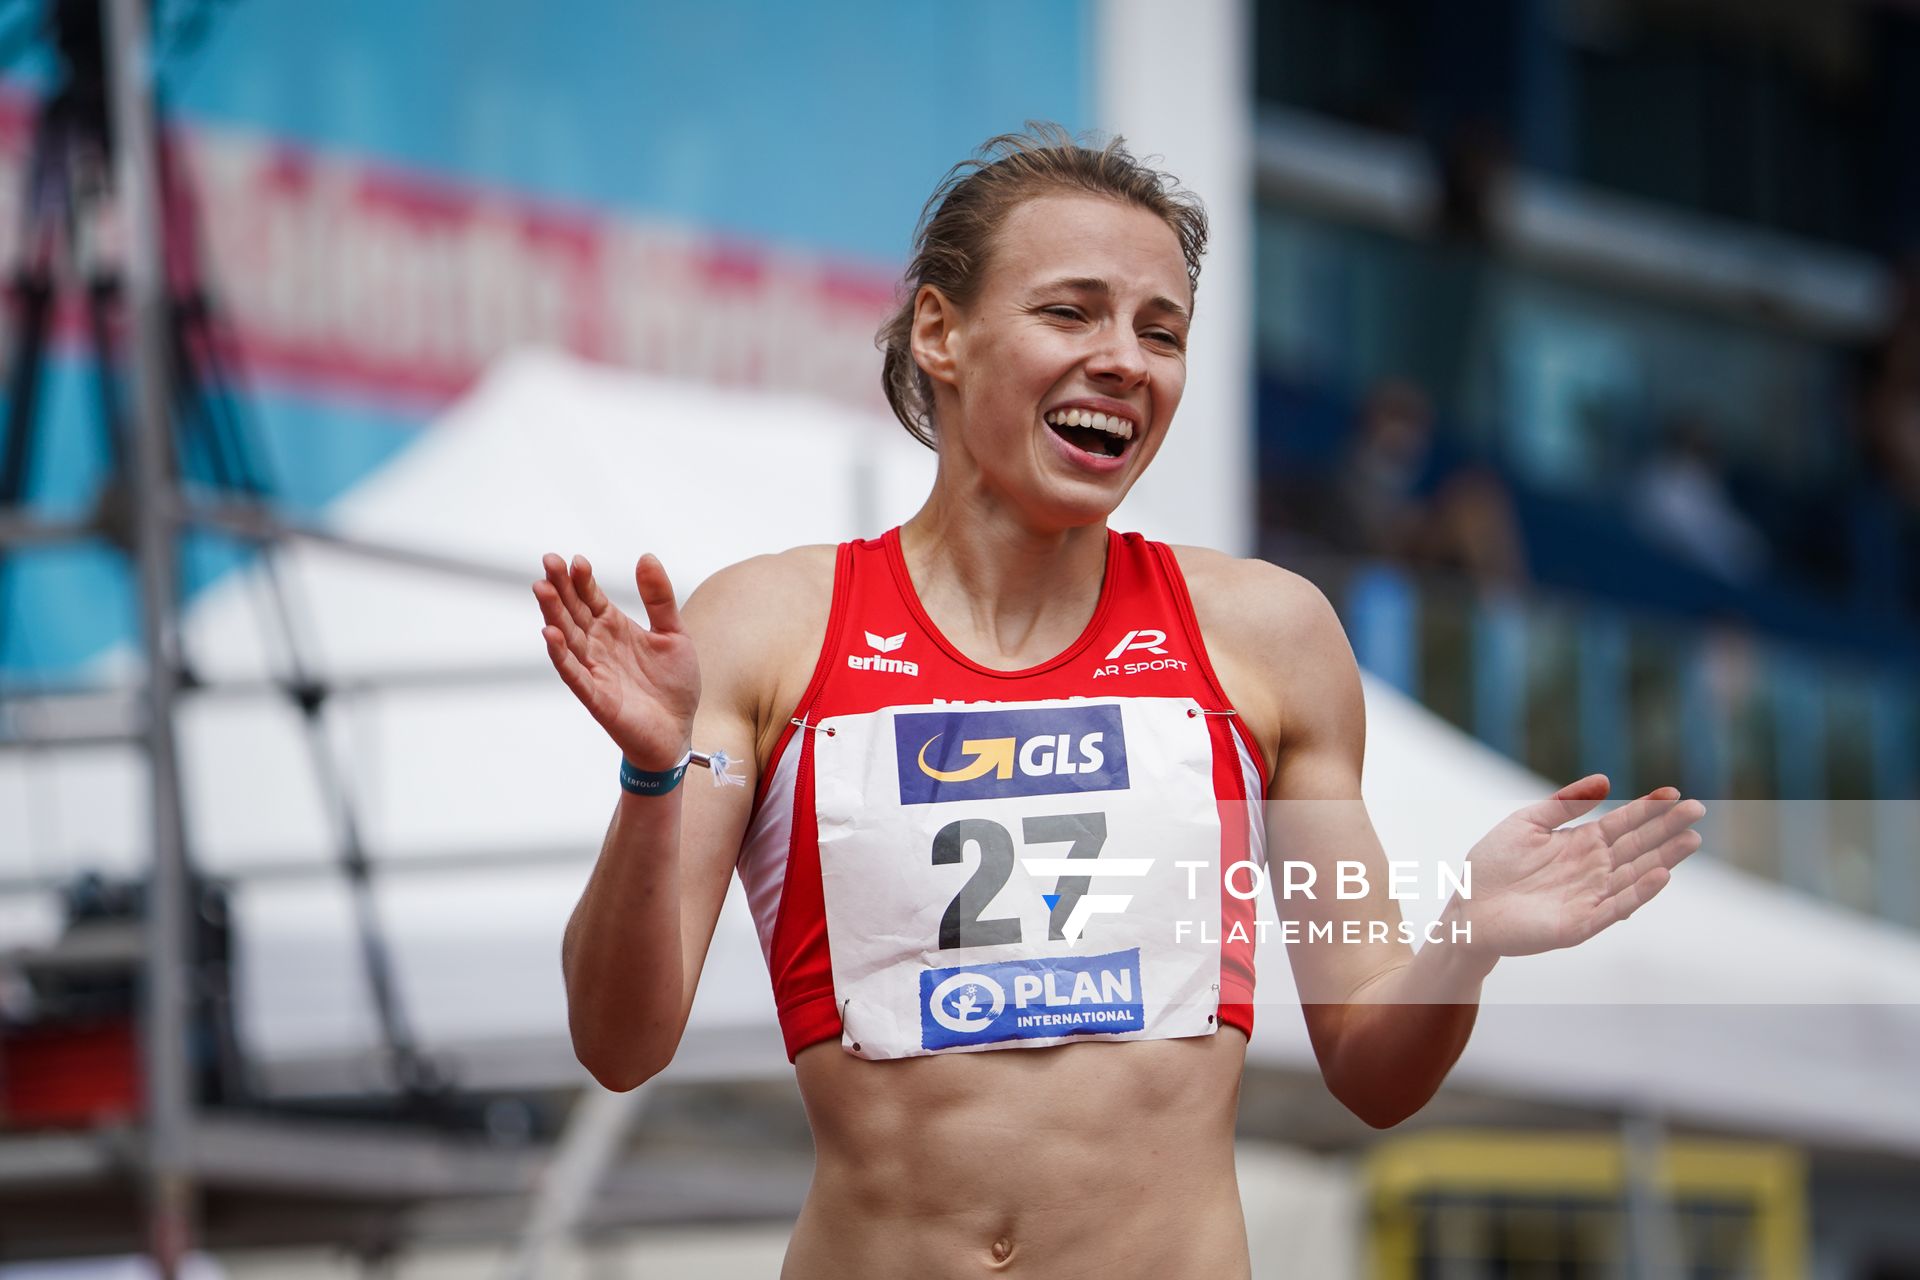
(944, 857)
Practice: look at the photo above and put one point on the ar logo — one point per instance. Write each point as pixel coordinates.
(1146, 638)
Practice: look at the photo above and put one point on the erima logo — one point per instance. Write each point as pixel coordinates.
(1031, 999)
(874, 662)
(1147, 639)
(969, 755)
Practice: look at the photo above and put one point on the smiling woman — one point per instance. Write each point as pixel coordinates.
(1073, 321)
(960, 228)
(989, 748)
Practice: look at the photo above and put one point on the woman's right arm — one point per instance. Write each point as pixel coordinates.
(639, 936)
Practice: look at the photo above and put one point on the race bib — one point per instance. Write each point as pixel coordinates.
(1006, 874)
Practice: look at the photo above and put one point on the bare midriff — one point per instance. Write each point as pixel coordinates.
(1106, 1160)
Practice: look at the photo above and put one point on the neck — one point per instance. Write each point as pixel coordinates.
(1008, 594)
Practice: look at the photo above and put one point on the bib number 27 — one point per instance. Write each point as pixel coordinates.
(961, 925)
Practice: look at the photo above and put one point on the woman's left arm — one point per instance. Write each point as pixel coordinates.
(1387, 1023)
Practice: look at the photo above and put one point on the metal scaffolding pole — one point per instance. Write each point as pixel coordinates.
(1653, 1245)
(596, 1132)
(169, 1180)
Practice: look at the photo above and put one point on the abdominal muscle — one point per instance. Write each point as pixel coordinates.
(1107, 1159)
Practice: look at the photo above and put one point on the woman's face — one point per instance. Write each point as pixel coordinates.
(1085, 307)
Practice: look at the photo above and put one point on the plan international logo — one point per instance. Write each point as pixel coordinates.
(1031, 999)
(1035, 751)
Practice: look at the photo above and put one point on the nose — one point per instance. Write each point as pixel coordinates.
(1117, 357)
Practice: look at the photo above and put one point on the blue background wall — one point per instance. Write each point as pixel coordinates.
(820, 127)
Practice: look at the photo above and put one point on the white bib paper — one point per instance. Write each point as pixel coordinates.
(1005, 874)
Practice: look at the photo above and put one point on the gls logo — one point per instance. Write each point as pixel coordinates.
(883, 645)
(1146, 638)
(1031, 999)
(1035, 751)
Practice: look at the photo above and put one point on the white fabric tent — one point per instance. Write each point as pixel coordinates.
(1699, 1007)
(1728, 1000)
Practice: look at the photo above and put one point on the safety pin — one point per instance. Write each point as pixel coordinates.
(721, 765)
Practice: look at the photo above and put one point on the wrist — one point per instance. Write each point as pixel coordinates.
(1468, 955)
(637, 781)
(653, 758)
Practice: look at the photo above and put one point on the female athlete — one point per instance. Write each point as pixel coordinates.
(1002, 760)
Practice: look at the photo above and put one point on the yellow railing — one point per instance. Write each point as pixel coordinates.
(1758, 1188)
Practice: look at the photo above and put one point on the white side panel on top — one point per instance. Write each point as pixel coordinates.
(1175, 81)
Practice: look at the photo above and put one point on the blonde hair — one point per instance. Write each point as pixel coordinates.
(954, 238)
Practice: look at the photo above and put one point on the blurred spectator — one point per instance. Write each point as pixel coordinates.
(1465, 226)
(1398, 495)
(1681, 501)
(1472, 168)
(1892, 443)
(1882, 511)
(1891, 405)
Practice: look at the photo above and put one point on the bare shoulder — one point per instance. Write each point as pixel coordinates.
(765, 590)
(1250, 602)
(1275, 641)
(758, 625)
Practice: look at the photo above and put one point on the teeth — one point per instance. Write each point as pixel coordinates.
(1113, 425)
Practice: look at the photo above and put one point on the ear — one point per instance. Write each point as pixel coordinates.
(932, 338)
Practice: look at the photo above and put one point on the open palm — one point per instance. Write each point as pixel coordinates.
(1539, 886)
(641, 684)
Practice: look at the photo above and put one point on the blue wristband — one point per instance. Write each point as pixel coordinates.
(648, 782)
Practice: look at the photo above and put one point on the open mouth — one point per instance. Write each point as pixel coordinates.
(1105, 441)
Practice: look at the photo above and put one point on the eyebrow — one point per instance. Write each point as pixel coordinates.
(1092, 284)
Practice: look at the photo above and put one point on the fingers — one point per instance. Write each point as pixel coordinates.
(1634, 884)
(554, 611)
(1636, 813)
(571, 672)
(1629, 900)
(562, 581)
(1661, 826)
(1667, 854)
(589, 588)
(571, 598)
(656, 593)
(1568, 803)
(1649, 838)
(559, 619)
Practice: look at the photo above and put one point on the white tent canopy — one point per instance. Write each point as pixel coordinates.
(1719, 1002)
